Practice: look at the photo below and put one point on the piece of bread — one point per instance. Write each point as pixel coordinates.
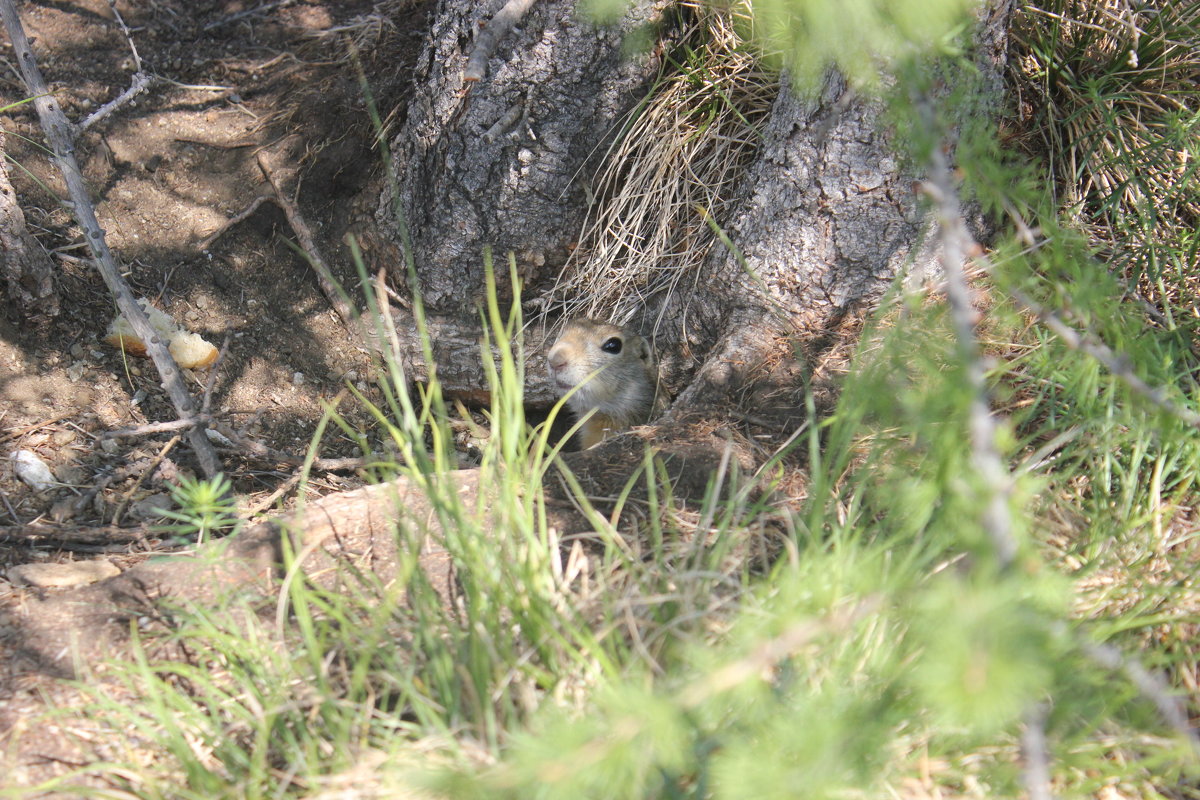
(189, 350)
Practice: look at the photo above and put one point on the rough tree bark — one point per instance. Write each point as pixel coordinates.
(497, 161)
(825, 217)
(26, 267)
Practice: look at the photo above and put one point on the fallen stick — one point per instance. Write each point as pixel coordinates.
(305, 237)
(152, 428)
(60, 136)
(47, 536)
(139, 83)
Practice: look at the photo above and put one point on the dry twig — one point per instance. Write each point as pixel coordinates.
(138, 84)
(60, 136)
(309, 243)
(156, 427)
(242, 215)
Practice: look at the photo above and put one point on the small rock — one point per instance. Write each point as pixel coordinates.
(65, 508)
(298, 378)
(216, 437)
(64, 437)
(109, 446)
(151, 508)
(57, 576)
(31, 469)
(71, 474)
(77, 350)
(75, 371)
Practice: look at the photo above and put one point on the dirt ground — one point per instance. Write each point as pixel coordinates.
(171, 173)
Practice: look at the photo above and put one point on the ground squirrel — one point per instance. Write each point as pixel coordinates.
(615, 372)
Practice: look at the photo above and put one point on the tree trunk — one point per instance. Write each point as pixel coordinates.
(500, 161)
(26, 267)
(823, 220)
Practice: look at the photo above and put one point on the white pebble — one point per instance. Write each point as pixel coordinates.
(31, 469)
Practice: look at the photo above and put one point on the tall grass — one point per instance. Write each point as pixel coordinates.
(1108, 99)
(883, 654)
(251, 709)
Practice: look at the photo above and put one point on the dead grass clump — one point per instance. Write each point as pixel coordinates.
(1109, 94)
(675, 164)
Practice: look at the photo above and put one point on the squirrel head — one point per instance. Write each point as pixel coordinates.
(611, 369)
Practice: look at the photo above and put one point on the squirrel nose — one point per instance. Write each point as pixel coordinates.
(556, 361)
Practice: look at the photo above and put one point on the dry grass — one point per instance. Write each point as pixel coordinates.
(366, 31)
(1109, 95)
(676, 162)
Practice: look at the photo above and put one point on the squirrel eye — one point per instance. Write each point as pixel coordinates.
(611, 345)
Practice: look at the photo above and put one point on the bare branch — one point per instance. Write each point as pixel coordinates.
(156, 427)
(1118, 365)
(60, 136)
(1037, 756)
(489, 38)
(138, 84)
(956, 243)
(246, 446)
(137, 59)
(65, 535)
(208, 241)
(1152, 687)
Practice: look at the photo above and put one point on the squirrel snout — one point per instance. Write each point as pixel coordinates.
(557, 360)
